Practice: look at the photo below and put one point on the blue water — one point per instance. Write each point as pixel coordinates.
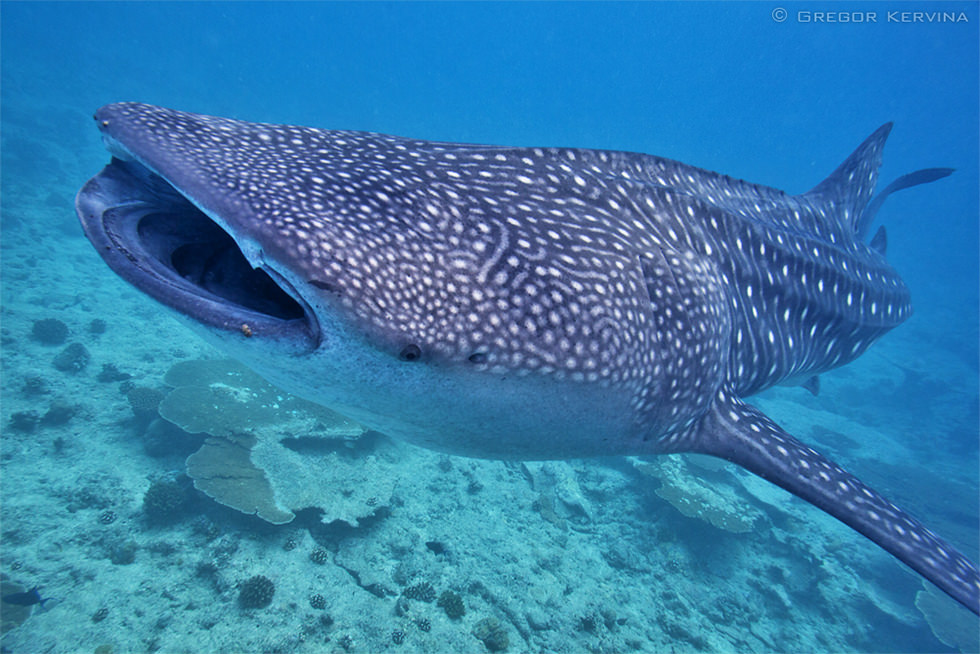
(723, 86)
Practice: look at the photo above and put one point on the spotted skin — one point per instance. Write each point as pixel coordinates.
(514, 302)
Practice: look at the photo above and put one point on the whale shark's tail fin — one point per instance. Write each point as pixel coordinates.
(846, 194)
(743, 435)
(923, 176)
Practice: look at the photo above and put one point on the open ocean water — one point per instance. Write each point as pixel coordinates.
(394, 548)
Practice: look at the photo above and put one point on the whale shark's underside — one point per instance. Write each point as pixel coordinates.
(520, 303)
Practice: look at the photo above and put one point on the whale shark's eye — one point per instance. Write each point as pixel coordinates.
(478, 357)
(410, 352)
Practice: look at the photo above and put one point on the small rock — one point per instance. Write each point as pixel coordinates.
(110, 373)
(58, 414)
(538, 620)
(72, 359)
(25, 421)
(49, 331)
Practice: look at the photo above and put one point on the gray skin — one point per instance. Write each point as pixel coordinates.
(518, 303)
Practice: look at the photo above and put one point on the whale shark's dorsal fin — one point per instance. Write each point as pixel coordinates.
(845, 193)
(743, 435)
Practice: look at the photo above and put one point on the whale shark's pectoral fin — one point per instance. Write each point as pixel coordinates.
(743, 435)
(812, 384)
(879, 242)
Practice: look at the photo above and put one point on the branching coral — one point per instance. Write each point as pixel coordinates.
(164, 501)
(256, 592)
(452, 604)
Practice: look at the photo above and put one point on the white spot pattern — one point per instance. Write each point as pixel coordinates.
(513, 253)
(674, 285)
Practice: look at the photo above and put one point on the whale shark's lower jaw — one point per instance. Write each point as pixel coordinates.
(157, 240)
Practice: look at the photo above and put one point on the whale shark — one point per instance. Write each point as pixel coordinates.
(517, 303)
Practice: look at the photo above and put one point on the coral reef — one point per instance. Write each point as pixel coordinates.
(452, 604)
(204, 526)
(492, 633)
(164, 502)
(560, 497)
(247, 464)
(954, 625)
(422, 591)
(88, 493)
(49, 331)
(163, 438)
(72, 359)
(223, 470)
(256, 592)
(319, 556)
(716, 503)
(57, 414)
(593, 621)
(317, 601)
(97, 326)
(436, 547)
(144, 401)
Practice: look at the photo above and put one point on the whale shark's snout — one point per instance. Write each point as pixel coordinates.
(157, 238)
(521, 303)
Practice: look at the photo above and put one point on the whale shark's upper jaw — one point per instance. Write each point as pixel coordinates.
(155, 237)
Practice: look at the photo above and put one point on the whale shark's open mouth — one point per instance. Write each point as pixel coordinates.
(159, 241)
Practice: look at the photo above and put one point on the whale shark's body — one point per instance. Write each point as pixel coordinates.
(522, 303)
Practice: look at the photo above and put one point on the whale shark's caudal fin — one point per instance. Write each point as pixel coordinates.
(847, 192)
(743, 435)
(923, 176)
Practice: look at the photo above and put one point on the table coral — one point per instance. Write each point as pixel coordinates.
(269, 453)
